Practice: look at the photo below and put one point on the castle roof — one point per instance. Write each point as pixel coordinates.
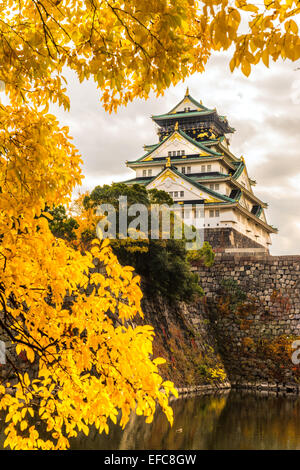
(188, 109)
(199, 145)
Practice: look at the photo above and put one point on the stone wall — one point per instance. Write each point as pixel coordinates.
(242, 331)
(227, 238)
(253, 303)
(185, 338)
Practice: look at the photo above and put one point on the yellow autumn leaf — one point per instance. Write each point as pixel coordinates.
(159, 360)
(246, 68)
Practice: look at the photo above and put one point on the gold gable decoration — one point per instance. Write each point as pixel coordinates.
(167, 174)
(212, 199)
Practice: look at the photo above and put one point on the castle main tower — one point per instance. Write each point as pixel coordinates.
(193, 163)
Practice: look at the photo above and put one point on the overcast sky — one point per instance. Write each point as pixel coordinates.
(263, 108)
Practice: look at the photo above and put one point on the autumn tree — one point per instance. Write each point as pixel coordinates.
(164, 262)
(87, 367)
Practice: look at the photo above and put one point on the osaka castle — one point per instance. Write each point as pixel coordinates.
(192, 162)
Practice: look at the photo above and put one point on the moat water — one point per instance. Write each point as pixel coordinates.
(231, 421)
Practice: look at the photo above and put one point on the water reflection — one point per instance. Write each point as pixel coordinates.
(223, 421)
(194, 418)
(229, 421)
(257, 422)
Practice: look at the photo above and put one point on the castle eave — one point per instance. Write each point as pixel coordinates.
(268, 227)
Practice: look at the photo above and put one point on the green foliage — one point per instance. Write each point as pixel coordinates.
(205, 255)
(232, 294)
(62, 226)
(212, 374)
(157, 196)
(110, 194)
(163, 267)
(163, 264)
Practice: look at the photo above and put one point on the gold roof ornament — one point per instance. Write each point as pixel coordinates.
(187, 92)
(176, 126)
(168, 164)
(203, 134)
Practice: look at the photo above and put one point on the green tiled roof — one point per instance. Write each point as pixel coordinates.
(219, 203)
(139, 180)
(148, 179)
(210, 142)
(185, 136)
(149, 147)
(209, 177)
(200, 186)
(239, 170)
(205, 112)
(196, 103)
(240, 167)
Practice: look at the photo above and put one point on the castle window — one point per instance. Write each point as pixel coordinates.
(178, 153)
(214, 213)
(188, 169)
(169, 154)
(144, 172)
(183, 170)
(181, 193)
(202, 168)
(175, 193)
(149, 172)
(217, 186)
(182, 152)
(208, 167)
